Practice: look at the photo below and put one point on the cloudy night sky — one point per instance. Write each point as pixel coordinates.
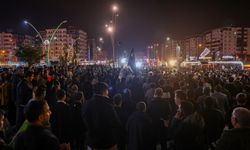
(140, 22)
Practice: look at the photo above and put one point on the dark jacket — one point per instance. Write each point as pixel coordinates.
(102, 122)
(159, 109)
(78, 124)
(140, 131)
(36, 138)
(61, 122)
(189, 135)
(214, 124)
(24, 92)
(235, 139)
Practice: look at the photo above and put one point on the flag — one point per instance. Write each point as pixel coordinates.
(205, 52)
(131, 60)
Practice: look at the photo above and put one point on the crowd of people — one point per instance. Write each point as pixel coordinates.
(105, 108)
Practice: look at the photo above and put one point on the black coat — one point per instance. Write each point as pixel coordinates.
(214, 124)
(189, 136)
(235, 139)
(102, 122)
(36, 138)
(61, 122)
(159, 109)
(140, 131)
(78, 124)
(24, 92)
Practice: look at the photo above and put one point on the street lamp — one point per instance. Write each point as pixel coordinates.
(114, 8)
(112, 30)
(33, 27)
(47, 41)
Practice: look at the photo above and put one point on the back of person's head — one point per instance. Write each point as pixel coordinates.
(28, 73)
(117, 99)
(158, 92)
(61, 94)
(100, 87)
(231, 79)
(181, 94)
(74, 88)
(34, 109)
(79, 97)
(141, 107)
(241, 98)
(41, 91)
(152, 85)
(210, 102)
(187, 108)
(241, 116)
(206, 91)
(218, 88)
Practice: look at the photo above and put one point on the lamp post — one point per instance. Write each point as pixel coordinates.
(47, 42)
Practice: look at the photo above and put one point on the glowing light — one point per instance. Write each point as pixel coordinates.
(172, 62)
(98, 48)
(110, 29)
(115, 8)
(123, 60)
(138, 64)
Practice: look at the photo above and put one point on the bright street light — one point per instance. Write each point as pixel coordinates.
(101, 39)
(110, 29)
(115, 8)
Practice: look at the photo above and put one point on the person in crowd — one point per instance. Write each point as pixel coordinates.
(221, 99)
(17, 76)
(140, 129)
(240, 101)
(102, 121)
(201, 99)
(78, 125)
(214, 121)
(122, 116)
(3, 145)
(51, 94)
(40, 93)
(159, 109)
(150, 93)
(37, 136)
(238, 137)
(187, 126)
(61, 118)
(180, 96)
(24, 94)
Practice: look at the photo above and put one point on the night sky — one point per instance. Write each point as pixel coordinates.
(139, 23)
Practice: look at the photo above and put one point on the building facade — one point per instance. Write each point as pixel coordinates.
(9, 42)
(79, 42)
(66, 41)
(222, 42)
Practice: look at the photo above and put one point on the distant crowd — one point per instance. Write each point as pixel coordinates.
(104, 108)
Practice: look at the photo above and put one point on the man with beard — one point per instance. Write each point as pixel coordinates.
(37, 136)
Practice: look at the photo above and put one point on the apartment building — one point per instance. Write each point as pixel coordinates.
(66, 40)
(225, 41)
(79, 42)
(9, 42)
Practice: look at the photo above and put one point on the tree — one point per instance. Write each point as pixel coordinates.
(64, 58)
(29, 54)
